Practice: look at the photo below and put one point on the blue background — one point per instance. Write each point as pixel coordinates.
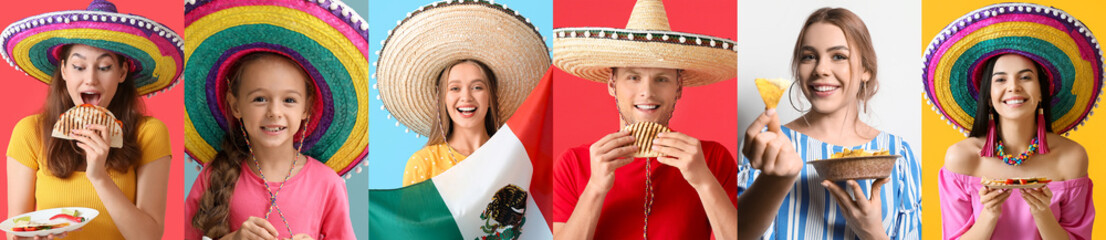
(392, 145)
(358, 199)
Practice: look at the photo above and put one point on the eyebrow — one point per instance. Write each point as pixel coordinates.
(477, 80)
(834, 48)
(83, 57)
(263, 89)
(1019, 72)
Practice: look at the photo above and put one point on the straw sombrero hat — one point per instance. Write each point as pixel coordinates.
(647, 41)
(435, 35)
(152, 50)
(327, 38)
(1061, 44)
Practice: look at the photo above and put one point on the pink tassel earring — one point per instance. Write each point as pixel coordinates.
(989, 146)
(1042, 135)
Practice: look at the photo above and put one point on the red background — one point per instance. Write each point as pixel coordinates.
(583, 111)
(22, 95)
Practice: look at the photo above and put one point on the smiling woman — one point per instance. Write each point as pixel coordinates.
(468, 114)
(459, 92)
(834, 64)
(88, 62)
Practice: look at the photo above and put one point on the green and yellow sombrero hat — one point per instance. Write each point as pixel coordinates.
(1061, 44)
(327, 38)
(152, 50)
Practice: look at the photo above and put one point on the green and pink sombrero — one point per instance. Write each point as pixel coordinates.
(152, 50)
(327, 38)
(1061, 44)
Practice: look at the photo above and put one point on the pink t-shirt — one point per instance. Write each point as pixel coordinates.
(314, 201)
(960, 206)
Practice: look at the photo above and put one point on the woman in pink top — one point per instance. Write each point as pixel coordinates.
(1024, 91)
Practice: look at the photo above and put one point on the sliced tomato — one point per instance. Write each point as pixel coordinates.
(1009, 181)
(68, 217)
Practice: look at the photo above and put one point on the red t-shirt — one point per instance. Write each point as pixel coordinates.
(677, 212)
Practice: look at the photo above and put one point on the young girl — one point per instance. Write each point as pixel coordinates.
(275, 99)
(269, 97)
(835, 64)
(1022, 103)
(468, 117)
(126, 185)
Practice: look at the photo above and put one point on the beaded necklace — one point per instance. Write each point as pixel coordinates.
(1016, 161)
(269, 188)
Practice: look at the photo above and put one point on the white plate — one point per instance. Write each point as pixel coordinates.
(44, 215)
(1013, 186)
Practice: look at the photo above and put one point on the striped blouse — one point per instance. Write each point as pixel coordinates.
(809, 211)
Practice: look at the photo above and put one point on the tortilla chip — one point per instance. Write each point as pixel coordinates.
(859, 153)
(771, 90)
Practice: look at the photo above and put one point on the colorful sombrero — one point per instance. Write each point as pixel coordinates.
(327, 38)
(1061, 44)
(153, 51)
(647, 41)
(435, 35)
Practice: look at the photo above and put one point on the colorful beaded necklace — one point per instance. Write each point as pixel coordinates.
(1015, 161)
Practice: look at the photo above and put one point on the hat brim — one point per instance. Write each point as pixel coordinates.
(330, 47)
(590, 53)
(152, 50)
(1062, 45)
(422, 45)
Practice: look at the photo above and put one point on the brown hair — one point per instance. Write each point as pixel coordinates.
(62, 156)
(214, 207)
(491, 121)
(856, 33)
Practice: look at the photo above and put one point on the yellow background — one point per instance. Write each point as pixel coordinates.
(938, 135)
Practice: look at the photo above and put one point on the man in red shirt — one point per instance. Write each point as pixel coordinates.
(600, 190)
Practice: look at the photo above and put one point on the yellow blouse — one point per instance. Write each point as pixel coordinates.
(77, 190)
(429, 162)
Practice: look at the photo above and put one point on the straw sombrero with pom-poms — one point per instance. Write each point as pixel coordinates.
(647, 41)
(435, 35)
(327, 38)
(152, 50)
(1061, 44)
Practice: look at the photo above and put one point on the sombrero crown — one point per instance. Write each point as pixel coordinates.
(647, 41)
(326, 38)
(152, 50)
(436, 35)
(1065, 48)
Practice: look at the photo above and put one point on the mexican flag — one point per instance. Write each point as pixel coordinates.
(503, 190)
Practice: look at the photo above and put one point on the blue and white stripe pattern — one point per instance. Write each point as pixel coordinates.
(809, 211)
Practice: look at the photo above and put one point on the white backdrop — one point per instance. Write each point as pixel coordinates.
(767, 31)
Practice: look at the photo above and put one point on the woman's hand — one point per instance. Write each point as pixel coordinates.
(770, 151)
(992, 200)
(254, 228)
(1039, 200)
(685, 153)
(96, 143)
(47, 237)
(863, 215)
